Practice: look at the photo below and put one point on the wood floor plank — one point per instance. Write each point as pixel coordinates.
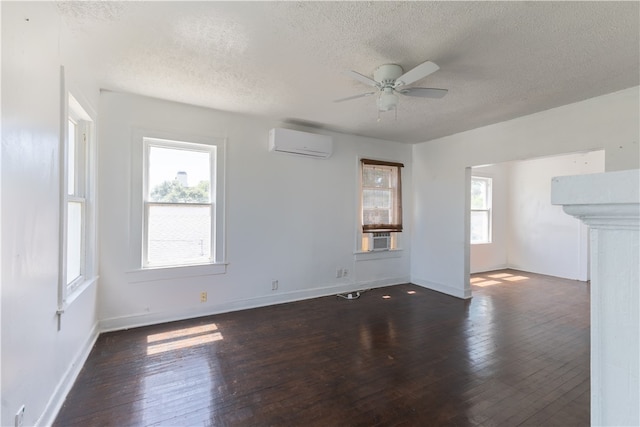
(517, 353)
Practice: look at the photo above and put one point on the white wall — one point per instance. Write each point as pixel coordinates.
(38, 360)
(610, 204)
(542, 238)
(289, 218)
(493, 256)
(440, 241)
(530, 234)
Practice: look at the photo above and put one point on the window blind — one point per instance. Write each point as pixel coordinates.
(381, 193)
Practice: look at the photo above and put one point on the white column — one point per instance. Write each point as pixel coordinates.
(610, 204)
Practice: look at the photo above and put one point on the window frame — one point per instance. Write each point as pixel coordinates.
(135, 273)
(396, 225)
(148, 143)
(83, 193)
(488, 209)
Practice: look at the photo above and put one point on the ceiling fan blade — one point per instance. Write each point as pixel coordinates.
(423, 92)
(364, 79)
(417, 73)
(362, 95)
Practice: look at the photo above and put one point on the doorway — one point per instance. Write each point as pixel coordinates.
(526, 232)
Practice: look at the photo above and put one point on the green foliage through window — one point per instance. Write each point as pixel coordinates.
(175, 192)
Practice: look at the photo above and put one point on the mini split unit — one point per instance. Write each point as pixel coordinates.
(300, 143)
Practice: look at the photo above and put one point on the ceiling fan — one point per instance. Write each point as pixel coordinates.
(390, 79)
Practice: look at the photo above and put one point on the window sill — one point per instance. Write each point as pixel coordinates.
(76, 292)
(371, 255)
(181, 272)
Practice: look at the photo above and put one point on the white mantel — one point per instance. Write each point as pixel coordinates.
(610, 204)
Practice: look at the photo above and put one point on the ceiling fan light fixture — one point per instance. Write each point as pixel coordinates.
(387, 101)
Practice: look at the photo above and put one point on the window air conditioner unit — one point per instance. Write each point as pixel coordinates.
(300, 143)
(379, 241)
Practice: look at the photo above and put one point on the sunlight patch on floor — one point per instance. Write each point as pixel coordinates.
(515, 278)
(182, 332)
(487, 283)
(496, 279)
(183, 343)
(182, 338)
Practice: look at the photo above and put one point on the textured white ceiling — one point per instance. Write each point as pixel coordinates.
(283, 60)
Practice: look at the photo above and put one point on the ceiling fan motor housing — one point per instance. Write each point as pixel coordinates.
(387, 74)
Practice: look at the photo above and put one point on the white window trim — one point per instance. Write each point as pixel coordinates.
(71, 107)
(489, 210)
(136, 270)
(358, 252)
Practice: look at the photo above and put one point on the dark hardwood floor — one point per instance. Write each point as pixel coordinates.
(516, 354)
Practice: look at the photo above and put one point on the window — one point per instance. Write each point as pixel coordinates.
(480, 222)
(381, 201)
(77, 224)
(179, 203)
(76, 202)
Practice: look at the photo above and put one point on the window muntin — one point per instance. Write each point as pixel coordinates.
(179, 203)
(480, 218)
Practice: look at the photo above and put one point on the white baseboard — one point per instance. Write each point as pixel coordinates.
(561, 275)
(445, 289)
(381, 283)
(486, 269)
(145, 319)
(68, 379)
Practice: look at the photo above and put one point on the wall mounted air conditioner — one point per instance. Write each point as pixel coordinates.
(300, 143)
(379, 241)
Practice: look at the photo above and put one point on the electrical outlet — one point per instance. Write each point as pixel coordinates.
(345, 272)
(203, 297)
(338, 273)
(274, 285)
(20, 417)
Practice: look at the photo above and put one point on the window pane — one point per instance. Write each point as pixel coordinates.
(376, 216)
(71, 159)
(179, 175)
(74, 240)
(479, 192)
(376, 199)
(179, 235)
(376, 177)
(479, 227)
